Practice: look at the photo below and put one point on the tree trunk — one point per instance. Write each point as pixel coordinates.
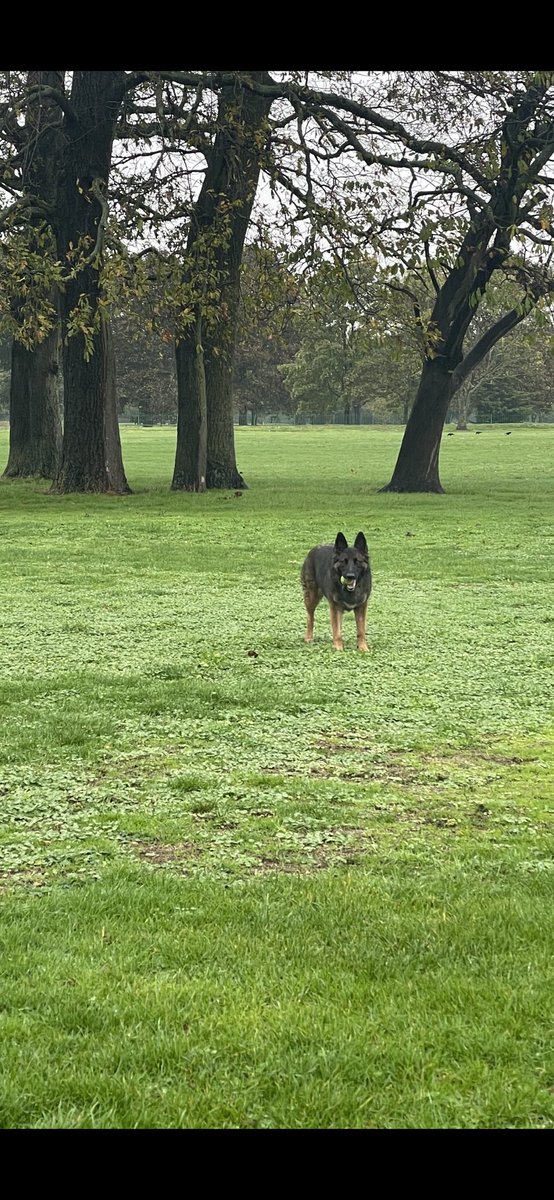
(91, 456)
(222, 470)
(417, 466)
(217, 236)
(112, 437)
(456, 301)
(83, 466)
(35, 410)
(35, 425)
(463, 401)
(190, 458)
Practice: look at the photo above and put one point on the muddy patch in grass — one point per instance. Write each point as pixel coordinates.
(358, 760)
(373, 773)
(159, 854)
(321, 858)
(304, 852)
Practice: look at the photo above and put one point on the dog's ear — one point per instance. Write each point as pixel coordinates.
(361, 545)
(340, 543)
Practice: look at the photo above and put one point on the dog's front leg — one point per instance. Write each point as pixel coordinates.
(336, 626)
(360, 614)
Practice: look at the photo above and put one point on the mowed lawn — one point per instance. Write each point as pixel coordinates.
(249, 883)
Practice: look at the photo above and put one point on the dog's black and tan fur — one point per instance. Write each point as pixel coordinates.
(342, 574)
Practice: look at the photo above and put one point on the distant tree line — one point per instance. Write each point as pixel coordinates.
(303, 363)
(307, 349)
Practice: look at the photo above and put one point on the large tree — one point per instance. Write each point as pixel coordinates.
(91, 457)
(63, 199)
(35, 411)
(205, 455)
(457, 184)
(202, 137)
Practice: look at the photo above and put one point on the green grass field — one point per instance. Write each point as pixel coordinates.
(249, 883)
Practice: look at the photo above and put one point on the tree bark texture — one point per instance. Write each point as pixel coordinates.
(35, 425)
(417, 466)
(91, 456)
(221, 214)
(464, 404)
(35, 409)
(191, 454)
(112, 438)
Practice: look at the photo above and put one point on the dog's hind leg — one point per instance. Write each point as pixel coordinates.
(312, 596)
(336, 626)
(360, 614)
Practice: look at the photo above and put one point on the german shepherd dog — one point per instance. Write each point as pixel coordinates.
(342, 574)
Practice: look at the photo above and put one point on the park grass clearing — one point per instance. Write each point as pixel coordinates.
(249, 883)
